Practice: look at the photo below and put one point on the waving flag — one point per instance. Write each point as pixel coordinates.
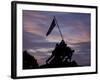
(53, 24)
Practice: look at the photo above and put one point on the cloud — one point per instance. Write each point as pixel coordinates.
(30, 39)
(82, 47)
(81, 55)
(75, 27)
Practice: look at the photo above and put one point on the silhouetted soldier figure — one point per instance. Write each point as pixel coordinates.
(66, 51)
(55, 57)
(60, 54)
(68, 54)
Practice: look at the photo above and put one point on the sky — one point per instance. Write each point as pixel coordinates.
(75, 28)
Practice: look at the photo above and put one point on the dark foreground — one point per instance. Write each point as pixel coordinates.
(61, 57)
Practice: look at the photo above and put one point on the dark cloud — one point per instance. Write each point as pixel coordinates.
(82, 45)
(82, 59)
(29, 40)
(82, 53)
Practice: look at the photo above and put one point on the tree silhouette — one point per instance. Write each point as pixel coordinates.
(29, 62)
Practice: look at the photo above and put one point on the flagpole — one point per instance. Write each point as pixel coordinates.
(59, 28)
